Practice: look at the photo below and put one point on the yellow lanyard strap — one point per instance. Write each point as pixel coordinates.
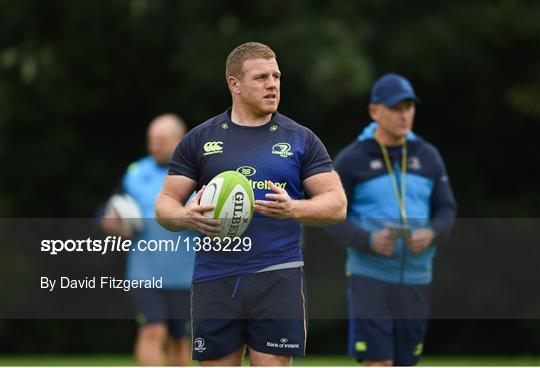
(400, 196)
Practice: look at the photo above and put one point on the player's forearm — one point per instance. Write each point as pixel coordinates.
(322, 210)
(170, 213)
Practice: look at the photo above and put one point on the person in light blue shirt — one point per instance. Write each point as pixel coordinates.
(163, 334)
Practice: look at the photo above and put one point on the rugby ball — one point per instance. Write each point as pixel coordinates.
(128, 210)
(232, 197)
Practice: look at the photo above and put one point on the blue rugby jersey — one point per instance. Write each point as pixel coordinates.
(281, 151)
(372, 204)
(143, 181)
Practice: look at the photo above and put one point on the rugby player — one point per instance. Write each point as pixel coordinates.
(256, 298)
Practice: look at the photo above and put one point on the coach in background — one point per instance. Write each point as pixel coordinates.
(399, 205)
(163, 334)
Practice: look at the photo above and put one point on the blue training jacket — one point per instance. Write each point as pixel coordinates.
(372, 205)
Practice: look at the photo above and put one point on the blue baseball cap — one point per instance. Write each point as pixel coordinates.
(391, 89)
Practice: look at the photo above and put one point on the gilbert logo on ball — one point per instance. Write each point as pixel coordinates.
(232, 197)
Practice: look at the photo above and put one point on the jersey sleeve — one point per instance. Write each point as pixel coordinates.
(184, 160)
(316, 159)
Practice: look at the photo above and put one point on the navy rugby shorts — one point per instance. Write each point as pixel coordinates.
(265, 310)
(387, 321)
(163, 306)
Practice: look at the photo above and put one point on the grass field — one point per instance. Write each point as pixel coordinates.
(321, 360)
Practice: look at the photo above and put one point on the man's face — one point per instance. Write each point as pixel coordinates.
(395, 121)
(161, 144)
(259, 86)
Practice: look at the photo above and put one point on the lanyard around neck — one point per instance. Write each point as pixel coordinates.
(400, 195)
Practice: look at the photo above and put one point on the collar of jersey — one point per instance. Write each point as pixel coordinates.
(228, 120)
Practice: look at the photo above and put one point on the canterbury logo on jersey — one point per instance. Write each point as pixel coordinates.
(282, 149)
(211, 148)
(376, 164)
(414, 163)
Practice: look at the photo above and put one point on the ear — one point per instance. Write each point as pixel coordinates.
(374, 111)
(233, 84)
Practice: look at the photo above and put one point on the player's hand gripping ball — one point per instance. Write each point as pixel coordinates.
(125, 207)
